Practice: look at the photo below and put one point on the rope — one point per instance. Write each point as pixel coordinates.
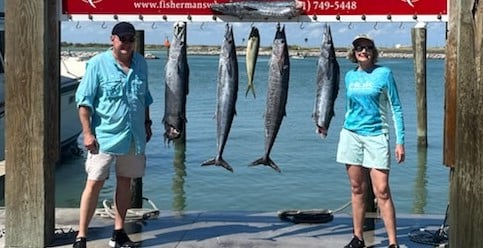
(313, 216)
(437, 237)
(109, 211)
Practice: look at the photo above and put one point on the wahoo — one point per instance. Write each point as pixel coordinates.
(260, 9)
(328, 75)
(277, 92)
(227, 89)
(253, 45)
(176, 86)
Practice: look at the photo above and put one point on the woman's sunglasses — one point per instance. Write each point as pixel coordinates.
(360, 48)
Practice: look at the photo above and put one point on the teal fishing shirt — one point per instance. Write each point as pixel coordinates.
(369, 94)
(117, 102)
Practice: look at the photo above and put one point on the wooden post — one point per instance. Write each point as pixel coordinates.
(420, 193)
(137, 183)
(179, 198)
(369, 222)
(32, 123)
(418, 34)
(450, 89)
(466, 190)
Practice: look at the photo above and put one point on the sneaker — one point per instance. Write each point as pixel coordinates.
(355, 243)
(80, 243)
(120, 239)
(393, 246)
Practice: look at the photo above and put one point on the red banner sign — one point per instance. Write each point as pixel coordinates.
(202, 7)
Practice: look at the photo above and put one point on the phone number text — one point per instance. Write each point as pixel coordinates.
(331, 5)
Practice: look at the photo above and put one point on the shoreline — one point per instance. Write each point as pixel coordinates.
(84, 53)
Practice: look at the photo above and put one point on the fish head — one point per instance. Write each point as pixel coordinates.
(321, 131)
(171, 132)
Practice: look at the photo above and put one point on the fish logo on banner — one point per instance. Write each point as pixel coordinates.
(410, 2)
(92, 2)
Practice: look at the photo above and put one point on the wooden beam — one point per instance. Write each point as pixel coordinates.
(450, 88)
(137, 183)
(32, 120)
(418, 35)
(466, 191)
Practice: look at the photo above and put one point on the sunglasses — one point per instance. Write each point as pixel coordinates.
(126, 39)
(360, 48)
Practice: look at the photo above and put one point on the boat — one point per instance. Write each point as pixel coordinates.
(298, 56)
(70, 127)
(150, 56)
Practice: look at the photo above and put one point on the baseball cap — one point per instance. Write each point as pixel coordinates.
(123, 29)
(362, 37)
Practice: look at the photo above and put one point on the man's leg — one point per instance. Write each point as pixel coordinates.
(88, 205)
(123, 200)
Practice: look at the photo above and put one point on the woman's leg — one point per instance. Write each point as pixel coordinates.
(357, 177)
(380, 182)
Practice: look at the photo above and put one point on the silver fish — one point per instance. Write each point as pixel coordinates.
(176, 86)
(278, 79)
(328, 76)
(260, 9)
(253, 45)
(227, 91)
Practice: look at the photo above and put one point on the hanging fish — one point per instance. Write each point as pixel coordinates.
(176, 86)
(328, 75)
(253, 45)
(277, 93)
(227, 91)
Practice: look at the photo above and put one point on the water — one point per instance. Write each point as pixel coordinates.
(310, 176)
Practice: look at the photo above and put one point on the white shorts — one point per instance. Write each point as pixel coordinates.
(366, 151)
(97, 165)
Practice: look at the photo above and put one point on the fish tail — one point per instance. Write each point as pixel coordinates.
(218, 162)
(252, 88)
(266, 161)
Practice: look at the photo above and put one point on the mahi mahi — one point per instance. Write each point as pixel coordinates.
(253, 45)
(279, 73)
(328, 75)
(176, 86)
(227, 91)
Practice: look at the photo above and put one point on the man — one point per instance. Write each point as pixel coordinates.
(113, 100)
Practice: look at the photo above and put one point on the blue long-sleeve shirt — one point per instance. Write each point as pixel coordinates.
(368, 96)
(117, 102)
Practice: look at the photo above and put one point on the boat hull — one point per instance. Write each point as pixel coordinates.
(70, 127)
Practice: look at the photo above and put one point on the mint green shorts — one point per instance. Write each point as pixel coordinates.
(366, 151)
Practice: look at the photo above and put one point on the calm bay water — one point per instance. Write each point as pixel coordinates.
(310, 176)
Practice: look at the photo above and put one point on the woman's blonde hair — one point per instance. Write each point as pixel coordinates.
(351, 55)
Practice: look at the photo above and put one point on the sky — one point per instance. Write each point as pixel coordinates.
(302, 34)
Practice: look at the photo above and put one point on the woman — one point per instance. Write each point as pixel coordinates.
(364, 140)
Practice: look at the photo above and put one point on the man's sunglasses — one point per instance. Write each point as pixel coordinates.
(360, 48)
(125, 39)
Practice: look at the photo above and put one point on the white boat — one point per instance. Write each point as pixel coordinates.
(70, 127)
(298, 56)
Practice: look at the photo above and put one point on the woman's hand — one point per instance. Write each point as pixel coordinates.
(399, 151)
